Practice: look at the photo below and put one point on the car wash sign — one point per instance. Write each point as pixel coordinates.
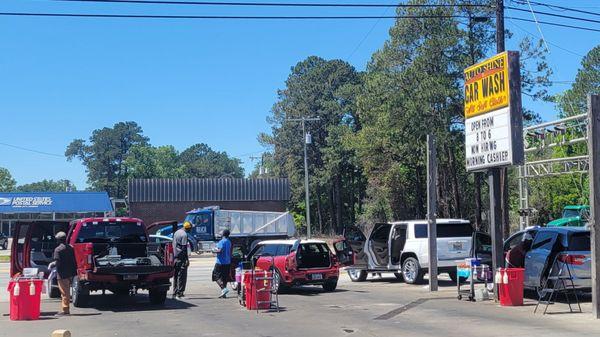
(493, 117)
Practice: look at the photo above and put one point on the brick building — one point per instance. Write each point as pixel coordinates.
(169, 199)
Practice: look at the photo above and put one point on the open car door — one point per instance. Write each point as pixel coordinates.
(344, 252)
(34, 244)
(20, 249)
(163, 250)
(356, 241)
(481, 247)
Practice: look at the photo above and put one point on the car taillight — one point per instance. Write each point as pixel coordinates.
(577, 260)
(88, 250)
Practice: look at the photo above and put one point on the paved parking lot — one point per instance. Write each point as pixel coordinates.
(379, 307)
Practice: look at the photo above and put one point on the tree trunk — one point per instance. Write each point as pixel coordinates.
(454, 182)
(319, 206)
(338, 203)
(332, 207)
(419, 200)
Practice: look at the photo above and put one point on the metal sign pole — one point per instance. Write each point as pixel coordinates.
(594, 169)
(431, 212)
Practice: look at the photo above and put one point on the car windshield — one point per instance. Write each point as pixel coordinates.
(570, 213)
(100, 231)
(580, 242)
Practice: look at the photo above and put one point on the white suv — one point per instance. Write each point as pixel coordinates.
(401, 247)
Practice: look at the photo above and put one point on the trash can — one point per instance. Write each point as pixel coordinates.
(511, 286)
(257, 287)
(25, 298)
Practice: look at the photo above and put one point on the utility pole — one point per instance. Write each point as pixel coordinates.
(594, 175)
(431, 212)
(495, 173)
(307, 140)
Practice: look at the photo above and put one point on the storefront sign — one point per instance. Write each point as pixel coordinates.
(493, 117)
(29, 202)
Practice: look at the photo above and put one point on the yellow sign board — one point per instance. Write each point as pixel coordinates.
(486, 86)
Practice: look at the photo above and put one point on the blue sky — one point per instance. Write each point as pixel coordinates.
(184, 82)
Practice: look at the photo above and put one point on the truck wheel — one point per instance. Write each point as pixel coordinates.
(80, 293)
(412, 271)
(54, 292)
(357, 275)
(157, 296)
(330, 286)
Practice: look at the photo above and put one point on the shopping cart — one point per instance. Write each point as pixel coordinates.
(470, 272)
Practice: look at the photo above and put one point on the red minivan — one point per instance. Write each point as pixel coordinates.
(112, 254)
(299, 262)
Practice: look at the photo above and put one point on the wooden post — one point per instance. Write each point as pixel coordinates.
(594, 169)
(431, 212)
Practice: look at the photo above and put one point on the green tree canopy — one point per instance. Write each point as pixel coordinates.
(104, 156)
(574, 100)
(325, 89)
(200, 161)
(62, 185)
(7, 183)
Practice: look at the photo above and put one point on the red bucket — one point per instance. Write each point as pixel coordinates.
(25, 300)
(511, 286)
(257, 290)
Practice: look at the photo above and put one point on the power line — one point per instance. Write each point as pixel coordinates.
(31, 150)
(367, 35)
(550, 6)
(230, 17)
(553, 14)
(554, 24)
(549, 42)
(272, 4)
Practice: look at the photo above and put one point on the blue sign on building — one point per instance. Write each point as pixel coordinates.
(51, 206)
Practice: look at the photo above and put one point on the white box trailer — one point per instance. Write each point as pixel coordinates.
(243, 223)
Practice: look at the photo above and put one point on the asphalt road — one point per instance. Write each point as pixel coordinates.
(378, 307)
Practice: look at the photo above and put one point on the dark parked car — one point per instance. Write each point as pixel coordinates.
(565, 245)
(3, 242)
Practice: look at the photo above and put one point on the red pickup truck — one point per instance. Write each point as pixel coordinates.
(298, 262)
(112, 254)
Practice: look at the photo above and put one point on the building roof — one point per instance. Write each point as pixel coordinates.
(175, 190)
(55, 202)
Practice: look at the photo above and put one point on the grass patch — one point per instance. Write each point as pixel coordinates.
(4, 258)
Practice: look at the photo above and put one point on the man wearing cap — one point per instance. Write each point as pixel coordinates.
(66, 268)
(180, 250)
(515, 258)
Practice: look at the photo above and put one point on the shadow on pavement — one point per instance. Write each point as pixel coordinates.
(310, 291)
(133, 303)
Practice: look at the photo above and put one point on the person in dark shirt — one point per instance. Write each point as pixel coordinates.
(182, 262)
(66, 268)
(515, 258)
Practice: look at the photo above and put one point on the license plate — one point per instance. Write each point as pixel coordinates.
(316, 276)
(457, 245)
(130, 277)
